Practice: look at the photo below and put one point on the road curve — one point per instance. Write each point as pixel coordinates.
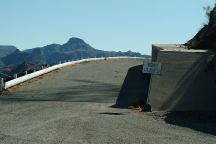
(73, 106)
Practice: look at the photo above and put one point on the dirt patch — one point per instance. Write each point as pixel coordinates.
(73, 65)
(34, 80)
(37, 79)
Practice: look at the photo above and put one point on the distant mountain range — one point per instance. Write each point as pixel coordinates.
(74, 49)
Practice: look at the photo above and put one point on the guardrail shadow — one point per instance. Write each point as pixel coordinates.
(87, 91)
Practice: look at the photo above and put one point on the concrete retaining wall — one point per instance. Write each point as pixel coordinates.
(19, 80)
(185, 83)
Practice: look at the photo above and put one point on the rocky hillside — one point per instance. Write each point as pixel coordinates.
(6, 50)
(74, 49)
(206, 37)
(21, 69)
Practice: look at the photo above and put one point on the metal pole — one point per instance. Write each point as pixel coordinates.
(1, 84)
(147, 101)
(15, 76)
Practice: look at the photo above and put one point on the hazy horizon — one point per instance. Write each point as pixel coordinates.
(107, 25)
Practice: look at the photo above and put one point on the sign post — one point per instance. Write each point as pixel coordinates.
(153, 68)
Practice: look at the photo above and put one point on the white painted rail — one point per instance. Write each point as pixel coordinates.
(27, 77)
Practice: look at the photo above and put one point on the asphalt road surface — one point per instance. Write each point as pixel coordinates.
(72, 106)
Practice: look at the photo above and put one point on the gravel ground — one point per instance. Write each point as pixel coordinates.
(72, 106)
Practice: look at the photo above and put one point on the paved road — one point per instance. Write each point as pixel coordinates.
(72, 106)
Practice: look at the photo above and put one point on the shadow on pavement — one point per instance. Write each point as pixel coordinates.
(111, 113)
(134, 90)
(88, 91)
(200, 121)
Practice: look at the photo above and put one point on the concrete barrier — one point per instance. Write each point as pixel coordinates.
(185, 83)
(22, 79)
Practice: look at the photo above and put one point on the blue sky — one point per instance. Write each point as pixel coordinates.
(105, 24)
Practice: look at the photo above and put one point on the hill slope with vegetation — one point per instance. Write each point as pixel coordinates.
(206, 37)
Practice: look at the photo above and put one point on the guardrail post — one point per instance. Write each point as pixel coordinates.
(15, 76)
(1, 84)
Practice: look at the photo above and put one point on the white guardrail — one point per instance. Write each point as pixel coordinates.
(22, 79)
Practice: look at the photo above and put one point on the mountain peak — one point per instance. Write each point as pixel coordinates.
(75, 40)
(76, 43)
